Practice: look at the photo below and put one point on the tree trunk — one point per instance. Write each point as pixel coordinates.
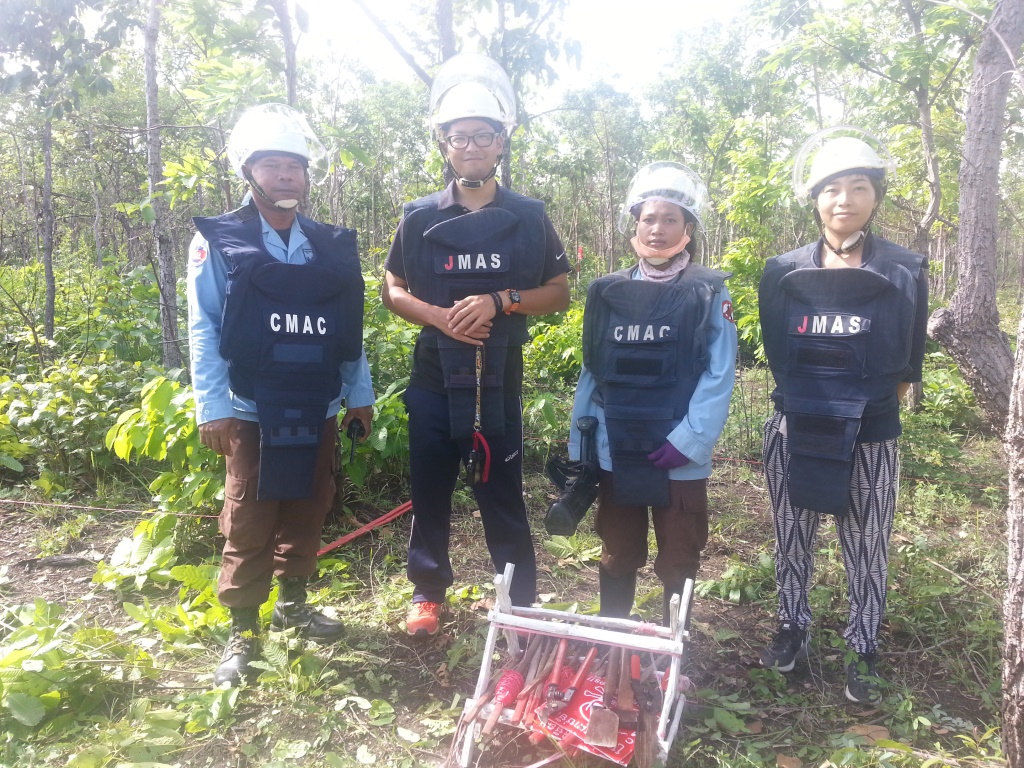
(97, 215)
(28, 195)
(48, 227)
(1013, 602)
(166, 278)
(993, 70)
(922, 228)
(445, 19)
(506, 157)
(288, 41)
(969, 327)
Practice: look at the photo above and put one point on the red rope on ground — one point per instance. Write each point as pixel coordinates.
(386, 518)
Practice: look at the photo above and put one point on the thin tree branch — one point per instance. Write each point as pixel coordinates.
(399, 48)
(995, 33)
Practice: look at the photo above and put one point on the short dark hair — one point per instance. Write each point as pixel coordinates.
(875, 175)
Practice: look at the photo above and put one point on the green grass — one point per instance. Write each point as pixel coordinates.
(118, 673)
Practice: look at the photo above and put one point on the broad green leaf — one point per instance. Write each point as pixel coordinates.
(27, 710)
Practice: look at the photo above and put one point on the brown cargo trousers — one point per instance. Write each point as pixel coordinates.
(680, 529)
(269, 538)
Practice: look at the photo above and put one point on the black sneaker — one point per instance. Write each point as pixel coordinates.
(863, 685)
(790, 643)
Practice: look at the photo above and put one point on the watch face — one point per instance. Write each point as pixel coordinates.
(513, 294)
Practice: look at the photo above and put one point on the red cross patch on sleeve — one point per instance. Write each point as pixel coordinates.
(199, 254)
(727, 311)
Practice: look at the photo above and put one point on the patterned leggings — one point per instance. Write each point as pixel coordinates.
(863, 533)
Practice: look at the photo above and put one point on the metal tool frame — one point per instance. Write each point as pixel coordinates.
(511, 620)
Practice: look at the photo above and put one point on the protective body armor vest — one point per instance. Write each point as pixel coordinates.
(645, 343)
(447, 259)
(838, 342)
(285, 331)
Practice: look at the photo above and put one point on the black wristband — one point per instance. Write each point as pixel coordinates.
(499, 305)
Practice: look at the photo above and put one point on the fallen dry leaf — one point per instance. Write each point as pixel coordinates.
(443, 676)
(785, 761)
(484, 604)
(755, 726)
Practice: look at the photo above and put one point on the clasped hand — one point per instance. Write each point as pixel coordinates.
(470, 319)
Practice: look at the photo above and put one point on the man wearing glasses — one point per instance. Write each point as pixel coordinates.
(468, 264)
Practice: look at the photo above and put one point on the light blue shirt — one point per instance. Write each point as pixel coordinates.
(695, 436)
(207, 282)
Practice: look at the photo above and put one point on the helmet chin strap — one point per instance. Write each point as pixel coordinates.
(473, 183)
(284, 205)
(853, 242)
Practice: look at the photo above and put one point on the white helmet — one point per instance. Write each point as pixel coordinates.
(472, 85)
(833, 152)
(667, 181)
(273, 128)
(468, 100)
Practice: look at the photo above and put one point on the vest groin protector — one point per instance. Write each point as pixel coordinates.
(286, 330)
(645, 343)
(477, 253)
(847, 346)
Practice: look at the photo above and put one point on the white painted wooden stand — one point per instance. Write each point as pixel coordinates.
(623, 633)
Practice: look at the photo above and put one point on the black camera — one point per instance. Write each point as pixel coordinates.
(576, 479)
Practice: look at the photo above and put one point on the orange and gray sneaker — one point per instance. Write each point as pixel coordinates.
(424, 619)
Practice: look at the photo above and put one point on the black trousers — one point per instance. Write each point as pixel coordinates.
(434, 467)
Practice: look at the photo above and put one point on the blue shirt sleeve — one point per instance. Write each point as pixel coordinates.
(357, 386)
(206, 280)
(584, 405)
(696, 435)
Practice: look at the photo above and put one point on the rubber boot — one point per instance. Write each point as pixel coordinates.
(243, 647)
(617, 593)
(292, 610)
(669, 590)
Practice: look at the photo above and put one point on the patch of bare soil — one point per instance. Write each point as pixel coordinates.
(26, 531)
(378, 659)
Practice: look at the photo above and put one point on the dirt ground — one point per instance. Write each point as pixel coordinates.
(727, 636)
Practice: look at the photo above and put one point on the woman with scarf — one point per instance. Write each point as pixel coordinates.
(659, 363)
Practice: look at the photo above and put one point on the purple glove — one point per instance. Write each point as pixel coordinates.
(668, 457)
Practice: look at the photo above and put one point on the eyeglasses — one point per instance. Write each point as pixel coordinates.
(460, 141)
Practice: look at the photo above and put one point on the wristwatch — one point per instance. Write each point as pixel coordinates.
(513, 296)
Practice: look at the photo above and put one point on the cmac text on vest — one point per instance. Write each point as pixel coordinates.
(642, 333)
(310, 325)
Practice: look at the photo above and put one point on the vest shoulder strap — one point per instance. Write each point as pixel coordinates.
(331, 242)
(893, 253)
(521, 203)
(698, 272)
(423, 203)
